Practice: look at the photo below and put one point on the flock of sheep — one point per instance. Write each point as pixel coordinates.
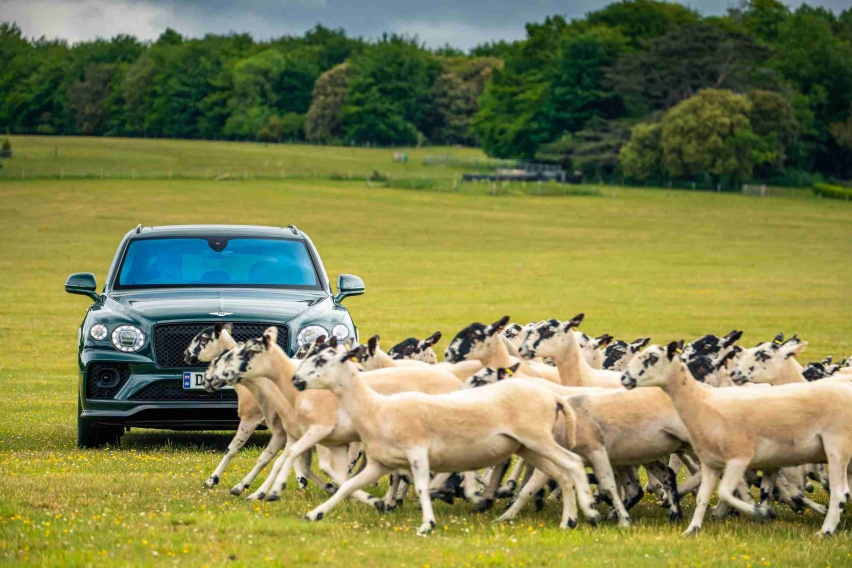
(558, 400)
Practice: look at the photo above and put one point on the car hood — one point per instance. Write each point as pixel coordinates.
(230, 305)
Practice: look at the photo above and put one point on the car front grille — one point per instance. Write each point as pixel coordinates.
(170, 340)
(104, 380)
(173, 390)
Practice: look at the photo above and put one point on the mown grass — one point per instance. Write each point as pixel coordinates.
(668, 264)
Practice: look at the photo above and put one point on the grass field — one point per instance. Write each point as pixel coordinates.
(668, 264)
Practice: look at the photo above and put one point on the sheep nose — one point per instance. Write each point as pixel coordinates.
(628, 381)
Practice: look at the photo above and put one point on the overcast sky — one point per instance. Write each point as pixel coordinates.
(461, 23)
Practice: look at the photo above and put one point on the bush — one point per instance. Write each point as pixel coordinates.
(6, 149)
(832, 191)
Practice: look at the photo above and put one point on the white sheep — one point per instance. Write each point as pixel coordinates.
(208, 344)
(735, 429)
(465, 430)
(318, 417)
(558, 341)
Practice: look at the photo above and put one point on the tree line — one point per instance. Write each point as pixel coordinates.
(641, 89)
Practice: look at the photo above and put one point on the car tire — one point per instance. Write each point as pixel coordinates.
(90, 435)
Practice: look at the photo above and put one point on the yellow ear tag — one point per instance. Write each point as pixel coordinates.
(509, 371)
(354, 359)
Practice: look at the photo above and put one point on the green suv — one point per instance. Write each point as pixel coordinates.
(164, 286)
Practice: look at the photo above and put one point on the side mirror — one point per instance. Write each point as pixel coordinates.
(348, 285)
(82, 283)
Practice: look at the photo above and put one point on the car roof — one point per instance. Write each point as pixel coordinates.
(289, 231)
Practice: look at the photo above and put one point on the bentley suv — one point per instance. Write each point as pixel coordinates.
(164, 286)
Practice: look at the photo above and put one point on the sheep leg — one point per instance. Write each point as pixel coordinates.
(838, 479)
(690, 485)
(572, 464)
(276, 442)
(732, 478)
(606, 482)
(339, 472)
(355, 453)
(246, 428)
(533, 486)
(669, 487)
(486, 501)
(569, 484)
(418, 458)
(791, 490)
(277, 479)
(370, 474)
(390, 495)
(404, 486)
(506, 491)
(709, 477)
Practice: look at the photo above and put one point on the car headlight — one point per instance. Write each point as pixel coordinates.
(128, 338)
(98, 332)
(340, 331)
(310, 334)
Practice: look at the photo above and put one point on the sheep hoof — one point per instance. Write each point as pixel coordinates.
(314, 516)
(236, 491)
(399, 502)
(675, 516)
(426, 528)
(593, 519)
(765, 511)
(483, 505)
(330, 488)
(379, 505)
(258, 496)
(211, 482)
(505, 492)
(301, 483)
(809, 487)
(625, 523)
(572, 523)
(691, 531)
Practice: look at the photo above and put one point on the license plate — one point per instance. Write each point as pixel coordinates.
(195, 381)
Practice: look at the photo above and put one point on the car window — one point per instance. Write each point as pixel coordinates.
(220, 262)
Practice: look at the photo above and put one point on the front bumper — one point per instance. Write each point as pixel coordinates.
(129, 406)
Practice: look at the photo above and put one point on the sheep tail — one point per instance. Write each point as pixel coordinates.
(564, 430)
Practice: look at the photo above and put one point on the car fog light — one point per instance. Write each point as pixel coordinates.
(128, 338)
(310, 334)
(98, 332)
(340, 331)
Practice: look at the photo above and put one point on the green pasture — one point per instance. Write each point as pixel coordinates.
(637, 262)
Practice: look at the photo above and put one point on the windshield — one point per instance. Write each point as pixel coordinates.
(217, 261)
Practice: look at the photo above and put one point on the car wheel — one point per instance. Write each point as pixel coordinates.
(91, 435)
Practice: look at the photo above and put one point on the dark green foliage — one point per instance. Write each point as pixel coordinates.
(390, 92)
(567, 93)
(832, 191)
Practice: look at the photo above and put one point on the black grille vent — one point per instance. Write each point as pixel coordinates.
(104, 380)
(173, 390)
(170, 340)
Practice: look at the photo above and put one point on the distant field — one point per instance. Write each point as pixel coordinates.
(51, 156)
(638, 262)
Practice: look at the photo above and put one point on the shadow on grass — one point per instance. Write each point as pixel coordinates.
(166, 440)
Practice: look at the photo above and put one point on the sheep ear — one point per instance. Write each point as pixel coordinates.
(431, 340)
(497, 326)
(604, 340)
(372, 345)
(333, 342)
(354, 355)
(779, 339)
(218, 327)
(672, 349)
(792, 349)
(270, 336)
(320, 340)
(577, 320)
(827, 360)
(731, 338)
(504, 372)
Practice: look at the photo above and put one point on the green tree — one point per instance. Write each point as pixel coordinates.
(773, 118)
(710, 133)
(390, 93)
(675, 66)
(87, 99)
(639, 20)
(322, 123)
(642, 157)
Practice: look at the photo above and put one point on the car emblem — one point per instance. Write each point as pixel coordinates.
(221, 314)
